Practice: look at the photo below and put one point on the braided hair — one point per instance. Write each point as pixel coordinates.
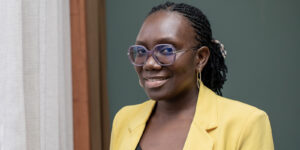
(214, 72)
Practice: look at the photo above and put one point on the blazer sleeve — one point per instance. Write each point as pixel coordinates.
(113, 133)
(115, 130)
(257, 133)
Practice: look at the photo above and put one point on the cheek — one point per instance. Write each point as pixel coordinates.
(138, 70)
(185, 67)
(185, 72)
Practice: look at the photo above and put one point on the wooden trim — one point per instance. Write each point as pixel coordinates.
(81, 121)
(96, 36)
(105, 121)
(90, 102)
(94, 72)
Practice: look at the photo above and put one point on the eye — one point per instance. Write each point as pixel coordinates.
(141, 51)
(166, 51)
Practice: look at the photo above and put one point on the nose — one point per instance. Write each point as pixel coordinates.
(151, 64)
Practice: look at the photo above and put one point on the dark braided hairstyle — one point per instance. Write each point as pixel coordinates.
(214, 72)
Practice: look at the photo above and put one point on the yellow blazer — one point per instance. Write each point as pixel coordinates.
(219, 124)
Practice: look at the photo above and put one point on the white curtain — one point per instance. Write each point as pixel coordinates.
(35, 75)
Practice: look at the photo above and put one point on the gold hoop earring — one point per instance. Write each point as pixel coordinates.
(198, 79)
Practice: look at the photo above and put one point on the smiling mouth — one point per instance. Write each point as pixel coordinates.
(155, 82)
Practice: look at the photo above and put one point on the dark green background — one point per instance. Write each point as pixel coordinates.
(262, 41)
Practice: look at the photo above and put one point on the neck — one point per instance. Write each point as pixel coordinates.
(183, 105)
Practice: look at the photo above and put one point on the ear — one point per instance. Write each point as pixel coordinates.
(202, 56)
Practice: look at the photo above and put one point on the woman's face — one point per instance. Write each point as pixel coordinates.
(167, 82)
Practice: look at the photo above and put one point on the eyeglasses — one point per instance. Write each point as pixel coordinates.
(163, 54)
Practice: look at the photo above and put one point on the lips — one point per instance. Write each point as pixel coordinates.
(155, 82)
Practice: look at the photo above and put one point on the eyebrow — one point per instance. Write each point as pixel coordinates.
(140, 42)
(166, 40)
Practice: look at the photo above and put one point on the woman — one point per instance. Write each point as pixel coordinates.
(181, 68)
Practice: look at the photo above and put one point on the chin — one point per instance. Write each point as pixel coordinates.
(157, 94)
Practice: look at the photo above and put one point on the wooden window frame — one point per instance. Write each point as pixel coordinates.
(90, 104)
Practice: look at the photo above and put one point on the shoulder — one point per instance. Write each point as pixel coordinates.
(228, 112)
(136, 107)
(229, 107)
(237, 115)
(133, 113)
(128, 117)
(249, 125)
(132, 110)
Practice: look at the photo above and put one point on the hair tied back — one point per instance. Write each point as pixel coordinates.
(214, 72)
(222, 48)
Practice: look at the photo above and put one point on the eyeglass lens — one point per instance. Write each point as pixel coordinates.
(163, 54)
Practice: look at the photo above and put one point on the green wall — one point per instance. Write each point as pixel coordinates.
(262, 41)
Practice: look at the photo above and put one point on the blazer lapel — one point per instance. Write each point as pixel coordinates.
(198, 139)
(205, 120)
(134, 137)
(136, 128)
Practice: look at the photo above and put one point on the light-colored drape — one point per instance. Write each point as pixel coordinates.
(35, 75)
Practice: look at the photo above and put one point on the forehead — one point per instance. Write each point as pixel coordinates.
(165, 26)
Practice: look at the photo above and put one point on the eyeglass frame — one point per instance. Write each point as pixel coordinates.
(148, 52)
